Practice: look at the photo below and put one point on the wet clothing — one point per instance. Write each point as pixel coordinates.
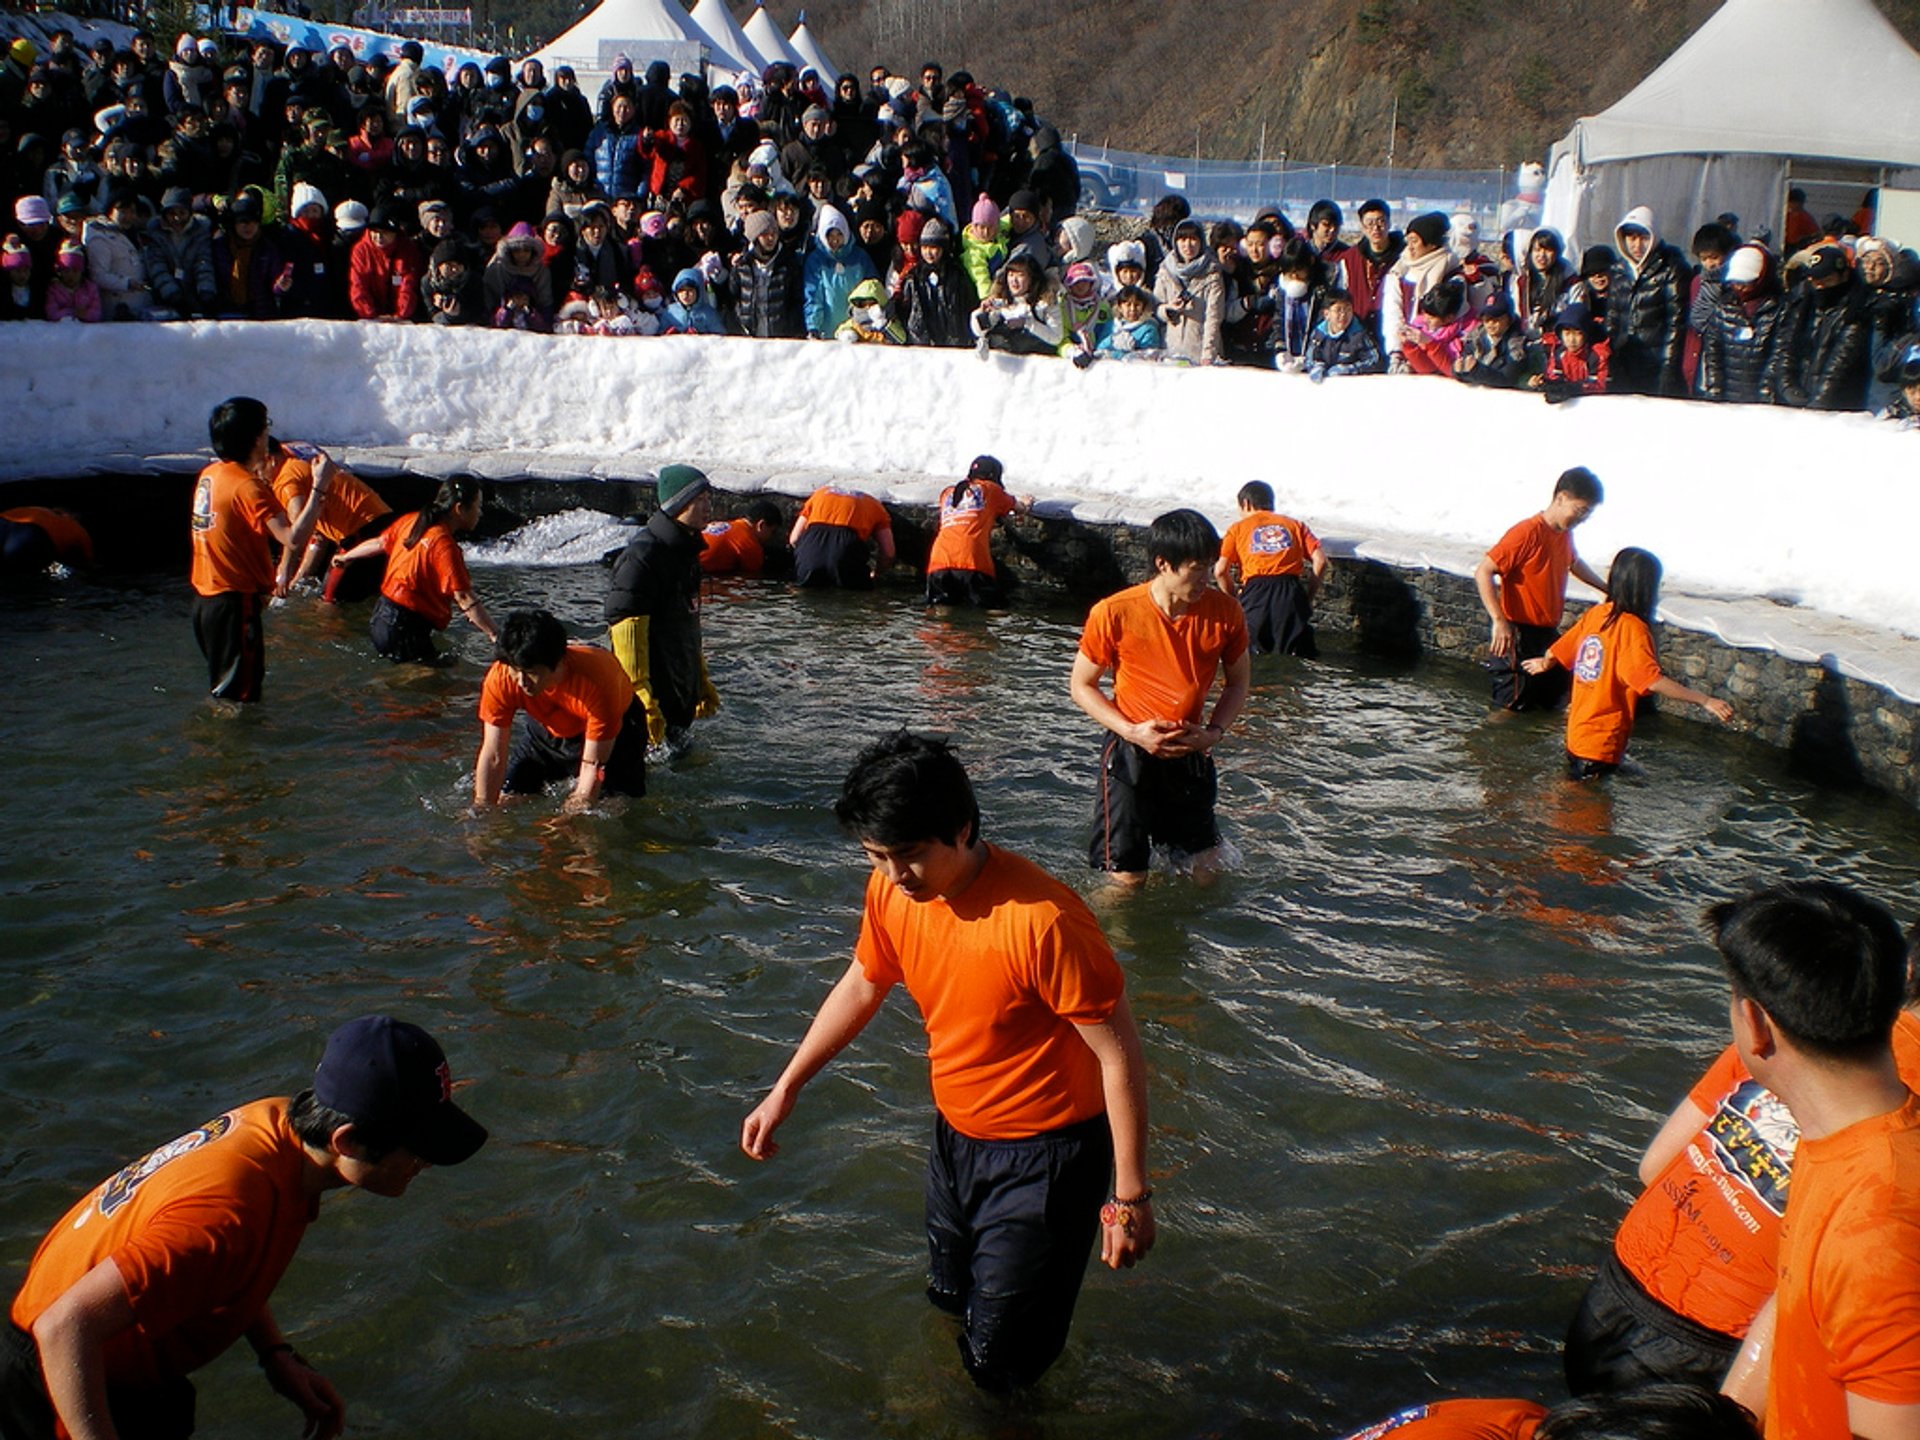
(1622, 1339)
(1147, 800)
(1272, 552)
(61, 537)
(731, 545)
(1533, 561)
(1459, 1420)
(594, 700)
(833, 549)
(416, 591)
(960, 568)
(233, 575)
(657, 578)
(1613, 667)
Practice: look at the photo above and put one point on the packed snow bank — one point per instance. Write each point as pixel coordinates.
(1811, 510)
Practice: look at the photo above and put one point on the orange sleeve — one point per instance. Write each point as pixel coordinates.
(1568, 645)
(879, 959)
(1073, 969)
(1719, 1081)
(292, 483)
(1868, 1305)
(1230, 542)
(1635, 664)
(1098, 642)
(1309, 541)
(1508, 552)
(449, 565)
(500, 696)
(195, 1246)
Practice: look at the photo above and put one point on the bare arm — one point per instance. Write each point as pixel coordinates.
(1223, 575)
(72, 1335)
(593, 774)
(852, 1002)
(1671, 689)
(1504, 639)
(1319, 562)
(1123, 1083)
(361, 551)
(1682, 1125)
(1587, 575)
(799, 529)
(469, 605)
(883, 542)
(300, 527)
(490, 767)
(1747, 1377)
(1877, 1420)
(1156, 737)
(291, 1376)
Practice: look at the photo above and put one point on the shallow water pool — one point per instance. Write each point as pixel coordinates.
(1403, 1059)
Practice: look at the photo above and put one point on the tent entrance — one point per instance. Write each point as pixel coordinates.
(1833, 189)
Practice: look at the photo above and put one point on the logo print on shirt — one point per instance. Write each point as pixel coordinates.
(1587, 664)
(1270, 540)
(1393, 1422)
(203, 504)
(119, 1190)
(1754, 1137)
(718, 527)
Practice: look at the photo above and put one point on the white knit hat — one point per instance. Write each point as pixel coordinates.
(350, 215)
(305, 195)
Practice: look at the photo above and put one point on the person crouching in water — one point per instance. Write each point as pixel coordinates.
(426, 576)
(1611, 654)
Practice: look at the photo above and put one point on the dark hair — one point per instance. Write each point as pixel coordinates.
(313, 1124)
(1325, 210)
(765, 512)
(235, 426)
(1446, 299)
(1225, 232)
(1715, 237)
(1598, 260)
(1633, 585)
(1826, 964)
(531, 638)
(1549, 238)
(1168, 210)
(1368, 207)
(1581, 483)
(1180, 536)
(906, 788)
(1257, 493)
(1652, 1412)
(454, 493)
(983, 467)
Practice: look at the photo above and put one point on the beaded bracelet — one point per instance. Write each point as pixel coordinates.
(1120, 1212)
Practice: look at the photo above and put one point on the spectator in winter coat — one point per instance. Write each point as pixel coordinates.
(518, 283)
(247, 265)
(1713, 244)
(1084, 312)
(1364, 264)
(1904, 371)
(833, 267)
(1743, 330)
(679, 160)
(1055, 178)
(870, 318)
(451, 290)
(599, 263)
(383, 282)
(1892, 278)
(574, 188)
(1648, 309)
(1576, 363)
(1298, 295)
(1594, 289)
(1024, 232)
(1018, 314)
(1242, 299)
(1827, 335)
(982, 251)
(1495, 354)
(1133, 333)
(1540, 281)
(114, 261)
(615, 148)
(71, 295)
(179, 258)
(1425, 264)
(1191, 296)
(691, 312)
(768, 285)
(1435, 333)
(1341, 345)
(937, 294)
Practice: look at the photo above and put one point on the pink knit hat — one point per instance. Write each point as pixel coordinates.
(986, 213)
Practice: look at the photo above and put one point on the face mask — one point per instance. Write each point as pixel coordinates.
(1293, 289)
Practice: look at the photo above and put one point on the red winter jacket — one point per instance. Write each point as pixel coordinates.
(385, 282)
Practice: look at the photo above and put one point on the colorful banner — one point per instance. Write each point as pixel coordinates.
(290, 30)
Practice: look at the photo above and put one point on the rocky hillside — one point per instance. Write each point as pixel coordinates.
(1476, 83)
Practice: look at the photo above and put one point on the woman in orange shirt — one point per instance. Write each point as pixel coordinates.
(426, 576)
(960, 568)
(1610, 652)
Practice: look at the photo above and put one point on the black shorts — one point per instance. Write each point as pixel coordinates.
(1144, 800)
(1279, 616)
(1580, 769)
(232, 636)
(539, 757)
(829, 556)
(402, 635)
(1622, 1338)
(962, 587)
(1010, 1226)
(161, 1411)
(1513, 688)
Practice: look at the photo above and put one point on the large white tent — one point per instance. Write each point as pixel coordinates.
(808, 49)
(717, 20)
(768, 40)
(1764, 91)
(642, 29)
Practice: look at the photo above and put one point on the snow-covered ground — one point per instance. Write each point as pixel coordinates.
(1812, 516)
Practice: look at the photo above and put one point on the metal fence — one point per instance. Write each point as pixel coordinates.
(1130, 183)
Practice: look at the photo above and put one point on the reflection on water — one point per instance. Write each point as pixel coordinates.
(1404, 1055)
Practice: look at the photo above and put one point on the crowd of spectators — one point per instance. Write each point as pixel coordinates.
(246, 182)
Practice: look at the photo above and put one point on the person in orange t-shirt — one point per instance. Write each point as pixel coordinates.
(1611, 655)
(960, 568)
(1163, 642)
(582, 719)
(1273, 553)
(1523, 587)
(1038, 1079)
(830, 537)
(424, 575)
(1818, 975)
(235, 516)
(164, 1265)
(1666, 1411)
(352, 513)
(740, 545)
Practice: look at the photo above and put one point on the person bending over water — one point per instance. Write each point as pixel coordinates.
(426, 576)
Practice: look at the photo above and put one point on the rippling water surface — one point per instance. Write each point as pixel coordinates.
(1403, 1059)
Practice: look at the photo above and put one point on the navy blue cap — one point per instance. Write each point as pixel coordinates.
(392, 1078)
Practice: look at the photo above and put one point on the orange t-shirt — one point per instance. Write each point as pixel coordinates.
(69, 536)
(1533, 561)
(964, 540)
(1704, 1238)
(1848, 1315)
(856, 510)
(348, 509)
(591, 699)
(1612, 669)
(201, 1230)
(731, 546)
(1460, 1420)
(425, 578)
(1265, 543)
(1002, 974)
(231, 508)
(1163, 668)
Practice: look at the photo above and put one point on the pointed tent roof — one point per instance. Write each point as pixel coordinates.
(1831, 80)
(808, 49)
(629, 20)
(713, 17)
(768, 40)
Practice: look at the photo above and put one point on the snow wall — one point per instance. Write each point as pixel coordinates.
(1814, 510)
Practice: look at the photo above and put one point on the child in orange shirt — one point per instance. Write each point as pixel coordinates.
(1611, 655)
(1273, 553)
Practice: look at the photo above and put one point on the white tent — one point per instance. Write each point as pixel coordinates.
(768, 40)
(1765, 90)
(802, 43)
(717, 20)
(644, 30)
